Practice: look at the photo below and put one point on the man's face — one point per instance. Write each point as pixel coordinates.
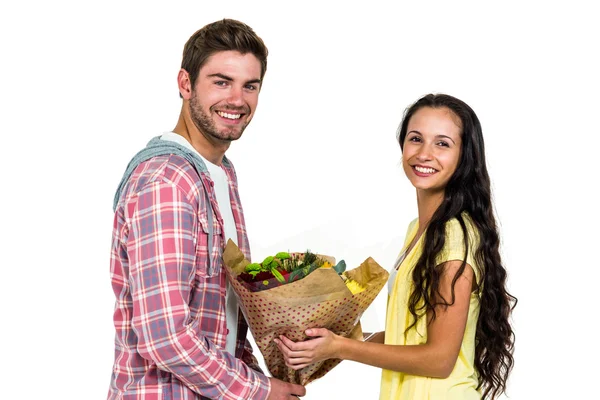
(225, 95)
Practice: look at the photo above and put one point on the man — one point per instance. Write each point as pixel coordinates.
(179, 332)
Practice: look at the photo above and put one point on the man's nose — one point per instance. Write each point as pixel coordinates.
(236, 97)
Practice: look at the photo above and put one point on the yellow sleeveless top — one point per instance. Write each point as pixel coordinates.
(462, 382)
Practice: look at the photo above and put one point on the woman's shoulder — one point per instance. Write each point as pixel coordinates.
(454, 244)
(412, 225)
(454, 228)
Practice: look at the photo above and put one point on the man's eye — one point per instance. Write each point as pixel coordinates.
(221, 83)
(250, 87)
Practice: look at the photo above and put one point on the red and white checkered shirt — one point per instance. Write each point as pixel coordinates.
(170, 308)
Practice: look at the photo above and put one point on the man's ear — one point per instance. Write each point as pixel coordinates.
(184, 84)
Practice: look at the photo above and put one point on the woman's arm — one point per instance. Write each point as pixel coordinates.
(374, 337)
(436, 358)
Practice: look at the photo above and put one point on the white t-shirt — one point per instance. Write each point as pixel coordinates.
(394, 272)
(221, 187)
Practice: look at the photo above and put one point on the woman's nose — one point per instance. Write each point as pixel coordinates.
(424, 153)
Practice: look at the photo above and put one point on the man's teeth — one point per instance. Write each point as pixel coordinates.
(425, 170)
(230, 116)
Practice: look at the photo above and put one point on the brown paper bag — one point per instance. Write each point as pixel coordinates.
(320, 300)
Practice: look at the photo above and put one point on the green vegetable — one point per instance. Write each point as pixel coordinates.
(298, 266)
(278, 275)
(253, 267)
(309, 257)
(267, 262)
(340, 267)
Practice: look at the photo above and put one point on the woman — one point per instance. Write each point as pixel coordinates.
(447, 333)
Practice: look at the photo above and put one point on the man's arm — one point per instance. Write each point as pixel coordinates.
(162, 253)
(249, 359)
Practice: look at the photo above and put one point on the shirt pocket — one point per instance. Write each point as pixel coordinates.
(208, 258)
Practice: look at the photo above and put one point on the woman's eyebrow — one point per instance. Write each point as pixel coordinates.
(447, 137)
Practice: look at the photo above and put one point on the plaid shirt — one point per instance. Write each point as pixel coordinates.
(170, 309)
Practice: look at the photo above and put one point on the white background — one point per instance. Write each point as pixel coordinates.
(84, 85)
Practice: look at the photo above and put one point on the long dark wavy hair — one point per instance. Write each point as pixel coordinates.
(468, 190)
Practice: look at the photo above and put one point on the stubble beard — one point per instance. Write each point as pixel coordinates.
(207, 126)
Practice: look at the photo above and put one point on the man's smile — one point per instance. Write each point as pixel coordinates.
(228, 115)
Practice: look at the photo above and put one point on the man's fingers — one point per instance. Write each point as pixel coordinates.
(285, 390)
(298, 390)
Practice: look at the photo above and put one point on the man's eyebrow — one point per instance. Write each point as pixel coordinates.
(230, 79)
(219, 75)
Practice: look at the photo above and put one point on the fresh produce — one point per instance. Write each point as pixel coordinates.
(319, 299)
(270, 265)
(284, 268)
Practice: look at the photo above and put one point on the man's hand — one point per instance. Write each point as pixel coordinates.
(281, 390)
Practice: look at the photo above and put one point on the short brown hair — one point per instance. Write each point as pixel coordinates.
(224, 35)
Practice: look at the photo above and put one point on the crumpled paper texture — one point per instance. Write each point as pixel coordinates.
(320, 300)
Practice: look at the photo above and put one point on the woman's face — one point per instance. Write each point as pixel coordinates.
(432, 148)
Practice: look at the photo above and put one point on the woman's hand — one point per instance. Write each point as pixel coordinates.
(323, 345)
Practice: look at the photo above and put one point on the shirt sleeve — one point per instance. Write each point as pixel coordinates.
(454, 245)
(243, 346)
(162, 254)
(249, 359)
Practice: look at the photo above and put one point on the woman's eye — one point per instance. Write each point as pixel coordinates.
(414, 139)
(443, 144)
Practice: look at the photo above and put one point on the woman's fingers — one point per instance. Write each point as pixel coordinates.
(315, 332)
(285, 350)
(298, 361)
(295, 359)
(289, 351)
(298, 355)
(296, 367)
(294, 346)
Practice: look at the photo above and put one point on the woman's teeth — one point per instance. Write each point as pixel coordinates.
(424, 170)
